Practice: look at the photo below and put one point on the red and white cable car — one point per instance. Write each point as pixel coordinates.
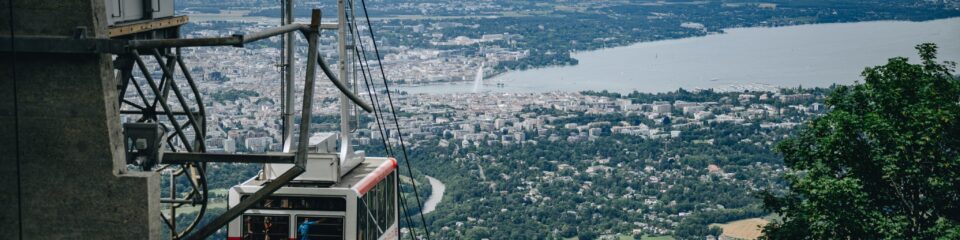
(361, 205)
(339, 193)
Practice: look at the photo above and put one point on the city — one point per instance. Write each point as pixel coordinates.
(491, 119)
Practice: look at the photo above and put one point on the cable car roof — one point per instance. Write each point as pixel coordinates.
(366, 175)
(361, 179)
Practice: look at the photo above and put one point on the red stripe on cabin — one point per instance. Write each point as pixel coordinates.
(374, 177)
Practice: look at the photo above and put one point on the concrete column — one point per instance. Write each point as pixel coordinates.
(9, 216)
(60, 135)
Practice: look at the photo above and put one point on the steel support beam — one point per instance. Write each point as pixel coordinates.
(288, 85)
(196, 91)
(175, 113)
(161, 100)
(169, 72)
(346, 145)
(44, 44)
(300, 163)
(236, 40)
(193, 157)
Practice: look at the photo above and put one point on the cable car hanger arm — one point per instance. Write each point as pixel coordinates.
(300, 162)
(236, 40)
(333, 78)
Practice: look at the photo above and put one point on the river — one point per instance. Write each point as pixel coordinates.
(741, 58)
(435, 196)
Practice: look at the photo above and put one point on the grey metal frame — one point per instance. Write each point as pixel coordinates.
(168, 55)
(343, 89)
(193, 157)
(195, 172)
(300, 163)
(236, 40)
(287, 88)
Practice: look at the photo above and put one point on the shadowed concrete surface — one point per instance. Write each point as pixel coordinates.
(9, 217)
(60, 135)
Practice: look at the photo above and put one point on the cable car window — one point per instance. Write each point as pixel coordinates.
(319, 228)
(376, 209)
(265, 227)
(301, 203)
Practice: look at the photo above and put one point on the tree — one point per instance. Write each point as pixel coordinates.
(883, 163)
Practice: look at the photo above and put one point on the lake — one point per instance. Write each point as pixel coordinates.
(742, 58)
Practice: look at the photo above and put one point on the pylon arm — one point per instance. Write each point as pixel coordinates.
(40, 44)
(236, 40)
(195, 157)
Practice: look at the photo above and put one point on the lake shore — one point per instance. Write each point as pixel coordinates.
(815, 55)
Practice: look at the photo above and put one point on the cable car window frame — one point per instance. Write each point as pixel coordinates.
(243, 224)
(324, 203)
(379, 203)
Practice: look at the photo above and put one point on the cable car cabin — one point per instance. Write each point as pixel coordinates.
(361, 205)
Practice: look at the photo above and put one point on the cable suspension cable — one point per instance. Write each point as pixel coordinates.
(370, 216)
(376, 110)
(396, 119)
(378, 113)
(283, 69)
(371, 91)
(393, 111)
(403, 205)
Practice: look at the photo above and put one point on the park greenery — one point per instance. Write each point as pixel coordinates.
(542, 190)
(231, 95)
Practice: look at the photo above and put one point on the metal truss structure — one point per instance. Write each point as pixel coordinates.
(179, 119)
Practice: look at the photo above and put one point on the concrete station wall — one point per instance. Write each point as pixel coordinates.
(61, 155)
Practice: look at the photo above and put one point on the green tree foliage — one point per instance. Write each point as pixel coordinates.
(230, 95)
(883, 164)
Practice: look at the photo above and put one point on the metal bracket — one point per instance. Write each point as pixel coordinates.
(47, 44)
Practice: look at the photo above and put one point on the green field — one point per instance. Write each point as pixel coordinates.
(743, 229)
(629, 237)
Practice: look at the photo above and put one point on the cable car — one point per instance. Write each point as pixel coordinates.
(330, 191)
(361, 205)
